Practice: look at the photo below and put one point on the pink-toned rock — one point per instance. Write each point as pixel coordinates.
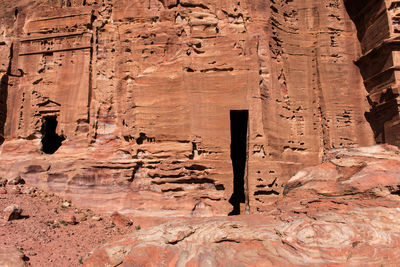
(378, 32)
(3, 181)
(82, 217)
(120, 220)
(16, 180)
(15, 189)
(139, 106)
(27, 190)
(12, 257)
(344, 212)
(206, 108)
(69, 219)
(201, 209)
(3, 190)
(12, 212)
(359, 171)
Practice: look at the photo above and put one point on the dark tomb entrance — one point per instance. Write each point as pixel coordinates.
(51, 141)
(239, 122)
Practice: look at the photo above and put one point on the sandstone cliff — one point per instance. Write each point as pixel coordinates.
(153, 101)
(341, 213)
(378, 32)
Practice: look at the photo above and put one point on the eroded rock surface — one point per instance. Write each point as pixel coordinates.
(12, 257)
(377, 23)
(143, 106)
(344, 212)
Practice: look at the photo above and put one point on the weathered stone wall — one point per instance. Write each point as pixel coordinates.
(378, 32)
(142, 91)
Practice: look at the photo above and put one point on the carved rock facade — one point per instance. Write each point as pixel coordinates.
(378, 32)
(343, 212)
(153, 101)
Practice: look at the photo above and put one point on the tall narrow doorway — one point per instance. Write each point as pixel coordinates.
(239, 122)
(51, 141)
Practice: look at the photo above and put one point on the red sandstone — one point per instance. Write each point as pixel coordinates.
(143, 96)
(163, 109)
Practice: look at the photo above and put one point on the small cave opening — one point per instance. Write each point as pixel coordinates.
(142, 137)
(239, 123)
(51, 141)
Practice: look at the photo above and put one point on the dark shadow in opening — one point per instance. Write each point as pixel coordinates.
(382, 113)
(239, 121)
(142, 137)
(3, 105)
(51, 141)
(384, 109)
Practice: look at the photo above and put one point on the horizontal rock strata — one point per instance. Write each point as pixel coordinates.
(341, 213)
(148, 104)
(378, 30)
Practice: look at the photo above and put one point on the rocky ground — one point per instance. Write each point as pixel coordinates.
(52, 231)
(343, 212)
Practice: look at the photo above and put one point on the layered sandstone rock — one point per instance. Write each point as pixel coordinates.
(341, 213)
(149, 99)
(378, 32)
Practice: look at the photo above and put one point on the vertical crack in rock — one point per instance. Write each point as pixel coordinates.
(142, 91)
(321, 103)
(93, 40)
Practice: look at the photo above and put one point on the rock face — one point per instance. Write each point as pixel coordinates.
(144, 106)
(341, 213)
(378, 32)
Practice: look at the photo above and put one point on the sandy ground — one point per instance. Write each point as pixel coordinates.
(47, 233)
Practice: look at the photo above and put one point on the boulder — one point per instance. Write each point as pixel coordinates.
(12, 212)
(120, 220)
(16, 180)
(343, 212)
(12, 257)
